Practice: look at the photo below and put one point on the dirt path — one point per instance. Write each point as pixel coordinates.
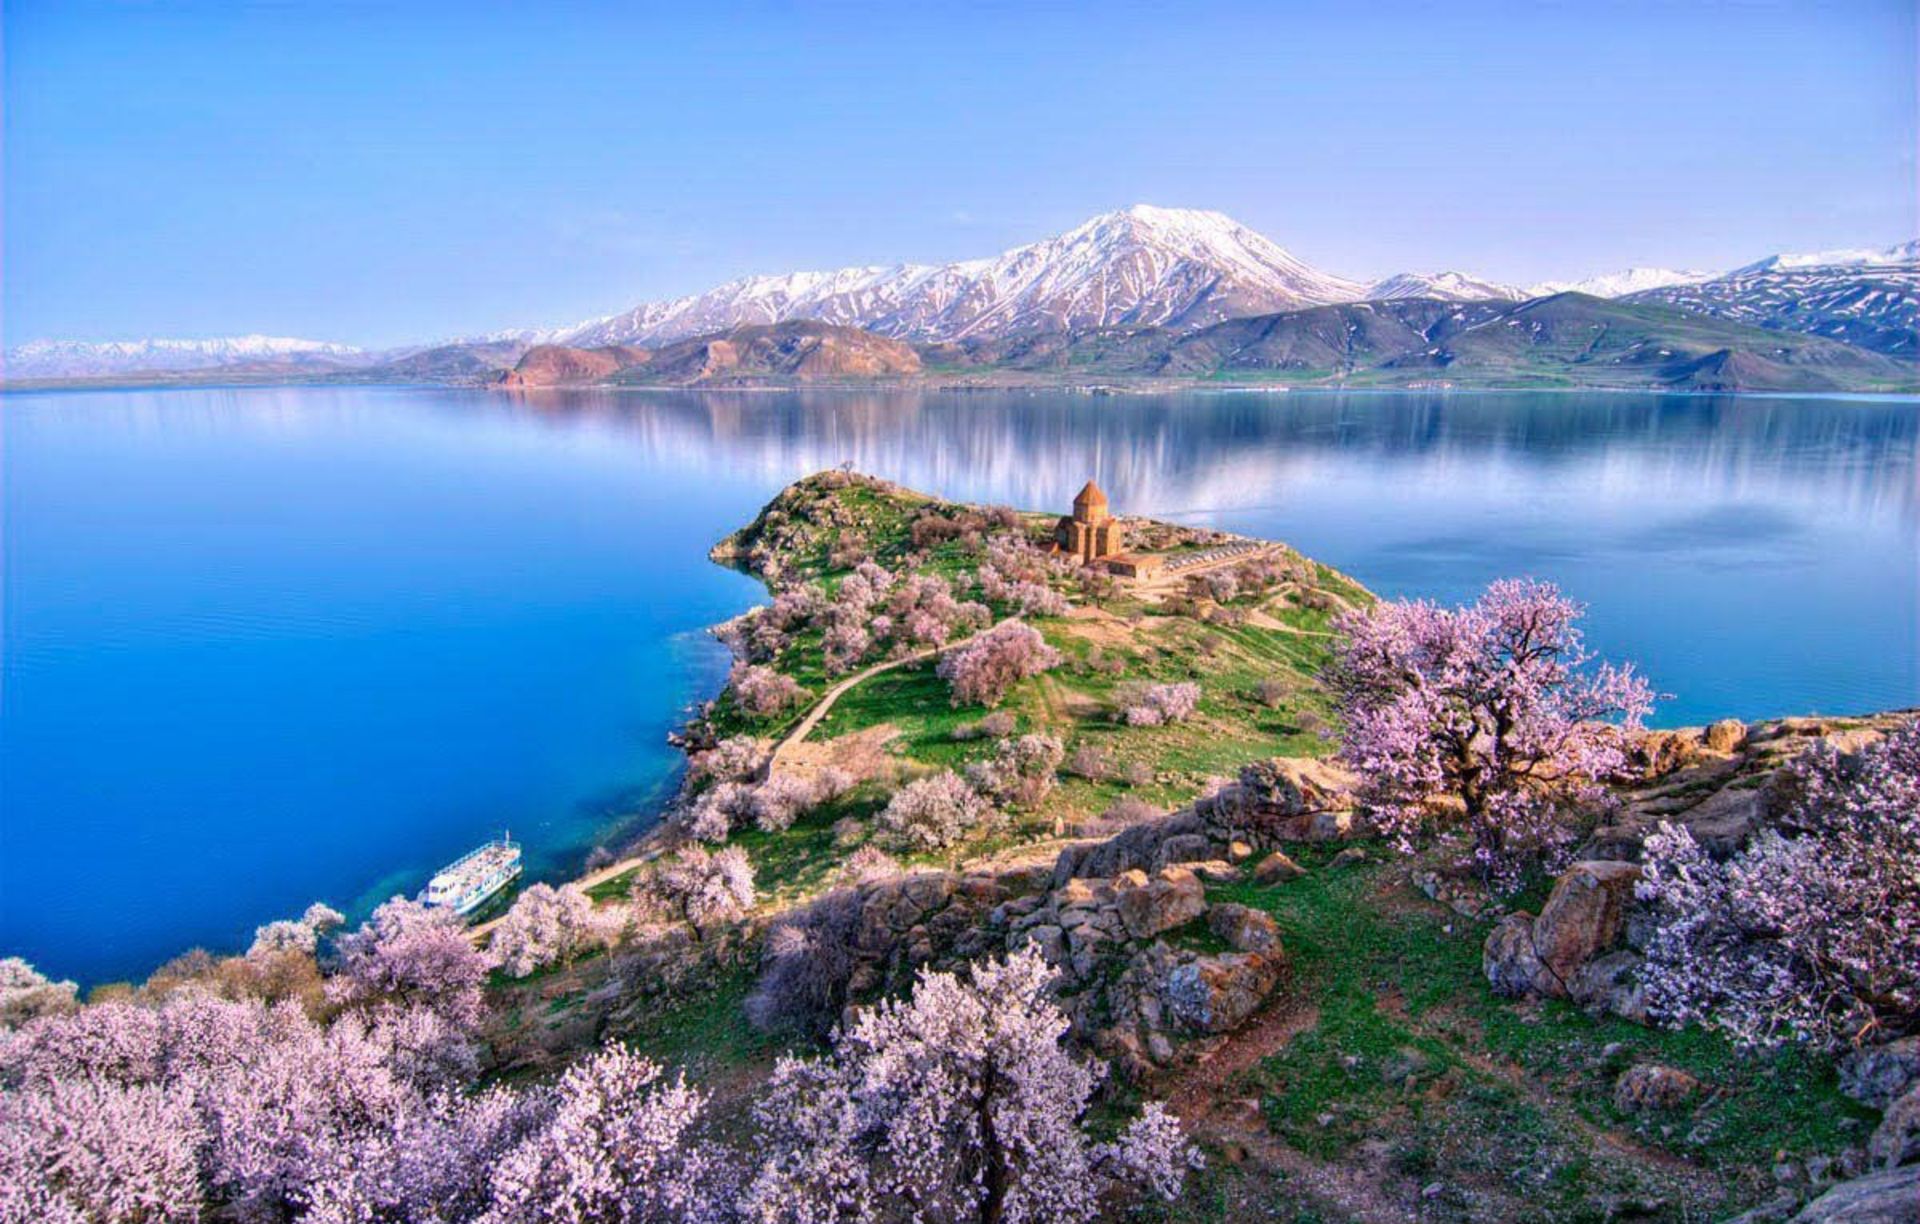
(1204, 1102)
(781, 754)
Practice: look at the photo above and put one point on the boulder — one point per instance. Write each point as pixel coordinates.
(1724, 820)
(1183, 848)
(1137, 846)
(1611, 983)
(1508, 958)
(1878, 1075)
(1726, 735)
(1216, 994)
(1897, 1139)
(1277, 867)
(1582, 918)
(1659, 753)
(1891, 1196)
(1173, 897)
(1652, 1086)
(1244, 928)
(1279, 799)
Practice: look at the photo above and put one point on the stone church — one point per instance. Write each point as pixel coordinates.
(1090, 533)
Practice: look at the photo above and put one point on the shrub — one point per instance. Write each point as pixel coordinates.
(1091, 763)
(807, 964)
(701, 887)
(731, 760)
(1021, 771)
(780, 800)
(1157, 704)
(869, 863)
(27, 994)
(1810, 932)
(762, 692)
(1493, 705)
(931, 813)
(1128, 810)
(718, 811)
(546, 926)
(982, 671)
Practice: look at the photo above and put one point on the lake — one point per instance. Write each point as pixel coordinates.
(267, 646)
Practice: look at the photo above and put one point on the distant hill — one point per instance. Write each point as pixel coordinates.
(798, 351)
(108, 358)
(1865, 298)
(1566, 340)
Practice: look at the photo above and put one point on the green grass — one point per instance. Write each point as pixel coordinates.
(1411, 1048)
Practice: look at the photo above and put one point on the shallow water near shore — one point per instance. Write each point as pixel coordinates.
(266, 646)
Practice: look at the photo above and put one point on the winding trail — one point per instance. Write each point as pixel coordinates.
(781, 751)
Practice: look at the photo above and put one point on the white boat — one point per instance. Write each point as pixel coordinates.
(465, 884)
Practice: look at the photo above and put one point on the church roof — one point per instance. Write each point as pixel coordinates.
(1089, 496)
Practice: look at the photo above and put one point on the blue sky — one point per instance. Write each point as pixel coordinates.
(384, 173)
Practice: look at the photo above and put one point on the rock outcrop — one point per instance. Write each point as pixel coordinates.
(556, 365)
(1888, 1197)
(1583, 917)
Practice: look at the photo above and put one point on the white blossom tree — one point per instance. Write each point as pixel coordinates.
(959, 1103)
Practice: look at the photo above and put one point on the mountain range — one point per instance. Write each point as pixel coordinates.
(1161, 271)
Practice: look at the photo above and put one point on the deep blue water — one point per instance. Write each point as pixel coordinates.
(265, 646)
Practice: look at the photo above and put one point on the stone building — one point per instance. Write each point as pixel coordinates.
(1090, 533)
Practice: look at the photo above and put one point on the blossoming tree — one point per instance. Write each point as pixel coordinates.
(959, 1103)
(1497, 707)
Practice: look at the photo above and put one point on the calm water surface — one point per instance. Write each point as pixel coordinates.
(267, 646)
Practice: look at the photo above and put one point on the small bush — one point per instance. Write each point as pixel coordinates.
(931, 813)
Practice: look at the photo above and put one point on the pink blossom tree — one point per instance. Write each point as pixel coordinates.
(296, 935)
(931, 813)
(1155, 705)
(1497, 706)
(26, 993)
(81, 1150)
(704, 888)
(546, 926)
(411, 953)
(982, 671)
(1812, 931)
(959, 1103)
(762, 692)
(620, 1144)
(1021, 771)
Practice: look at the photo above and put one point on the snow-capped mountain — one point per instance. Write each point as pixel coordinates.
(1137, 267)
(86, 358)
(1445, 286)
(1851, 257)
(1619, 284)
(1867, 298)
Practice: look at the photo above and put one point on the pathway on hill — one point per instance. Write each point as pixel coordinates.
(782, 751)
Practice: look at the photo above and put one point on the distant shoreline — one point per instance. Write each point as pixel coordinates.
(1090, 390)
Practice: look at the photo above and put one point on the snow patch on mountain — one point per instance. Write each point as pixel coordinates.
(1619, 284)
(1445, 286)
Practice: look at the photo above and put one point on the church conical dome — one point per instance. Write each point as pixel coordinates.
(1089, 498)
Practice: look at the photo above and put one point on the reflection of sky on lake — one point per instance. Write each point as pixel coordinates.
(269, 645)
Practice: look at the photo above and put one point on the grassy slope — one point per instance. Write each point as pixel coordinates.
(1384, 1068)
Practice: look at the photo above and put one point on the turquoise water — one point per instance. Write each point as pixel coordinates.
(267, 646)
